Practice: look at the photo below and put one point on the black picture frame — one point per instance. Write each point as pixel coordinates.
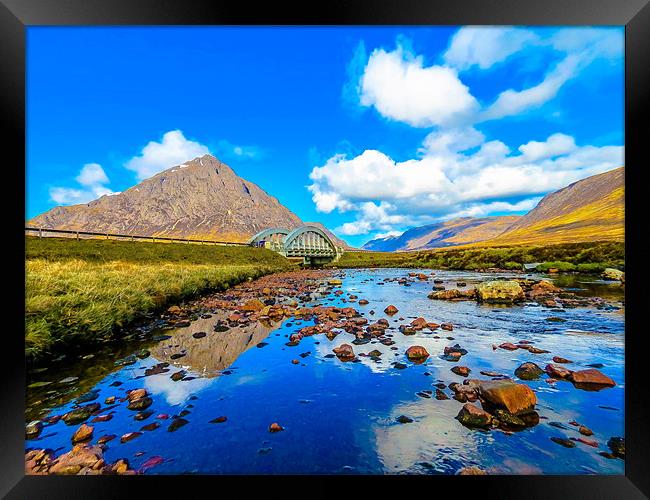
(16, 15)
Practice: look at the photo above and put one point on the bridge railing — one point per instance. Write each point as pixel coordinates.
(42, 232)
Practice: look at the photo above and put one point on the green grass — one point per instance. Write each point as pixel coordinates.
(585, 257)
(81, 292)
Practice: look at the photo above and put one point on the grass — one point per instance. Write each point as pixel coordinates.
(585, 257)
(82, 292)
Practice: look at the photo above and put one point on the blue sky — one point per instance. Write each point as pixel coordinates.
(368, 130)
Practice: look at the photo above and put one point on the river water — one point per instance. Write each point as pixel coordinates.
(340, 417)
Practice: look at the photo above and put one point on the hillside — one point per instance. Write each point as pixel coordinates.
(444, 234)
(592, 209)
(202, 198)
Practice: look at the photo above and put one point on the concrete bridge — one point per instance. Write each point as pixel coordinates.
(309, 243)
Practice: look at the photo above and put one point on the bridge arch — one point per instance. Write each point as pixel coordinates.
(309, 241)
(274, 234)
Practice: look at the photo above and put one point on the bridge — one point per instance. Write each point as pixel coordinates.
(309, 243)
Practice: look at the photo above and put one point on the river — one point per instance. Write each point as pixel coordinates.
(341, 417)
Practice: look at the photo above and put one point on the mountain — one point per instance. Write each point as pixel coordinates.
(444, 234)
(203, 198)
(591, 209)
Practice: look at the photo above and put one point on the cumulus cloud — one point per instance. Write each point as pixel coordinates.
(92, 180)
(384, 194)
(484, 46)
(400, 87)
(173, 149)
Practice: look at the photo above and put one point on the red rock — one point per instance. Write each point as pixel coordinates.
(417, 352)
(447, 326)
(509, 346)
(419, 323)
(363, 302)
(344, 351)
(471, 471)
(102, 418)
(591, 377)
(585, 431)
(588, 442)
(136, 394)
(557, 371)
(275, 427)
(129, 436)
(253, 305)
(81, 457)
(83, 433)
(295, 361)
(391, 309)
(463, 371)
(472, 416)
(513, 397)
(558, 359)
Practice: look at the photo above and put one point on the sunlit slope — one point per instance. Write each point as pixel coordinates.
(592, 209)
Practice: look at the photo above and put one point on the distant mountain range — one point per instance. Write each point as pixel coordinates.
(591, 209)
(202, 198)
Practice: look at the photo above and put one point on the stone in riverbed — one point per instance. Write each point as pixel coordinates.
(515, 398)
(81, 414)
(129, 436)
(558, 359)
(617, 445)
(462, 371)
(218, 420)
(81, 456)
(613, 274)
(83, 433)
(508, 419)
(472, 416)
(500, 292)
(447, 326)
(275, 427)
(403, 419)
(471, 471)
(391, 310)
(585, 431)
(199, 335)
(253, 305)
(106, 438)
(344, 352)
(140, 404)
(33, 429)
(567, 443)
(528, 371)
(441, 396)
(557, 371)
(176, 424)
(591, 377)
(417, 353)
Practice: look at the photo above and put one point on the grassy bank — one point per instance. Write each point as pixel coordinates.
(80, 292)
(583, 257)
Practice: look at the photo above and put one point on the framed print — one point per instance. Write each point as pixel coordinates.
(276, 245)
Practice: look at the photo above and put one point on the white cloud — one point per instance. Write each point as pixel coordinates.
(511, 102)
(485, 46)
(92, 179)
(555, 145)
(387, 234)
(401, 88)
(384, 194)
(173, 149)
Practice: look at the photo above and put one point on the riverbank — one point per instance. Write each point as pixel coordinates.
(83, 292)
(580, 257)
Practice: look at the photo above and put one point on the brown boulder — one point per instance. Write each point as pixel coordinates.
(513, 397)
(528, 371)
(391, 309)
(471, 471)
(417, 352)
(591, 377)
(80, 457)
(344, 351)
(472, 416)
(83, 433)
(557, 371)
(253, 305)
(275, 427)
(463, 371)
(419, 323)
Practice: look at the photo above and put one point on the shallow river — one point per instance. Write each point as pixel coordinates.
(340, 417)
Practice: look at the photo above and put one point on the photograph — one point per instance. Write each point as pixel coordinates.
(325, 250)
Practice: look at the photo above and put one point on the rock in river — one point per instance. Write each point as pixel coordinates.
(528, 371)
(513, 397)
(471, 471)
(589, 377)
(83, 433)
(500, 292)
(344, 352)
(275, 427)
(557, 371)
(391, 309)
(417, 353)
(613, 274)
(140, 404)
(617, 445)
(472, 416)
(176, 424)
(463, 371)
(33, 429)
